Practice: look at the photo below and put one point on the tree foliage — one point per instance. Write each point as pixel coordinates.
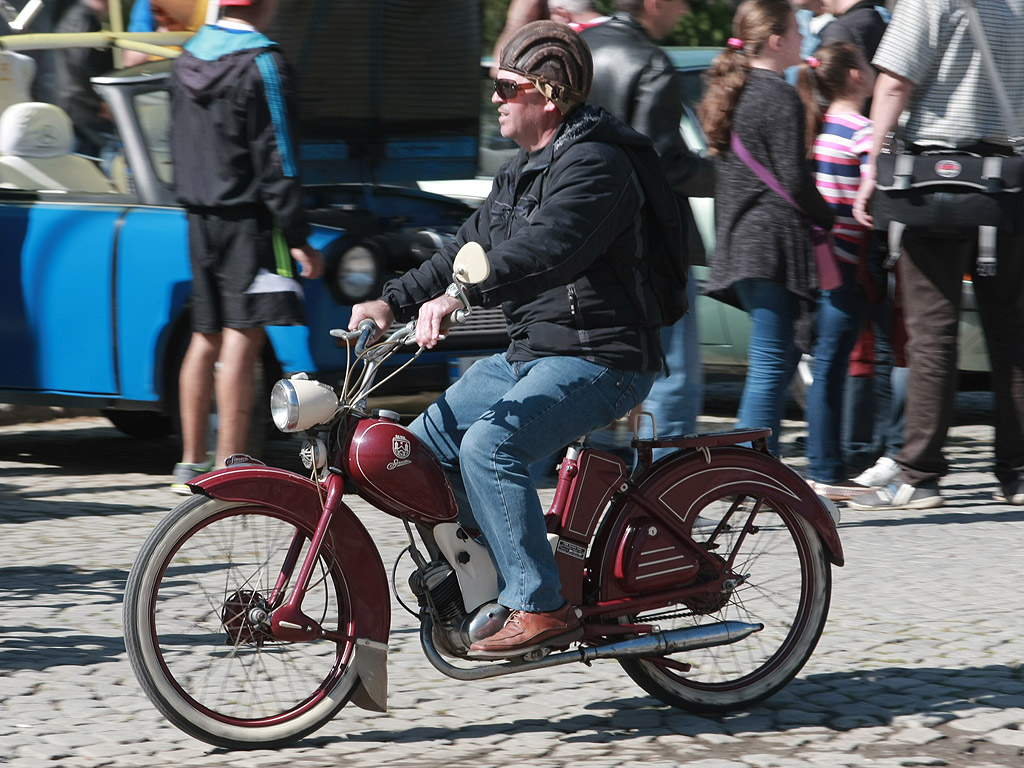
(708, 22)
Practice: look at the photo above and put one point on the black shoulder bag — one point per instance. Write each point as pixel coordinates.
(945, 191)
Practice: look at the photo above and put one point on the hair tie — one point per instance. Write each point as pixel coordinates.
(735, 43)
(812, 62)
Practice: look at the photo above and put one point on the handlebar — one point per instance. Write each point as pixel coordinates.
(367, 329)
(373, 357)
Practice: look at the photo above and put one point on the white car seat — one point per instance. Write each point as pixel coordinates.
(35, 152)
(16, 74)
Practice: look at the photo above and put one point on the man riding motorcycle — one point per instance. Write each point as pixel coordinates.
(569, 226)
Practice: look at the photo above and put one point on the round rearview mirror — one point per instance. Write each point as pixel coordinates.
(471, 264)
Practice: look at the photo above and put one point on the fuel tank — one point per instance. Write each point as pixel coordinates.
(394, 471)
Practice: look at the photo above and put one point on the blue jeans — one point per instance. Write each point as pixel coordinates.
(873, 405)
(677, 400)
(772, 354)
(487, 430)
(837, 325)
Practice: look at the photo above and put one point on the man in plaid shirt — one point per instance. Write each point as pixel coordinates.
(930, 70)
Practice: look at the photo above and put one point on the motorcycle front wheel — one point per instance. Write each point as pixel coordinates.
(196, 634)
(785, 583)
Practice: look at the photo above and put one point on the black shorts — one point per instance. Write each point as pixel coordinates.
(243, 275)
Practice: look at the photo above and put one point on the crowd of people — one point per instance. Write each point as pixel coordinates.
(792, 176)
(790, 118)
(797, 108)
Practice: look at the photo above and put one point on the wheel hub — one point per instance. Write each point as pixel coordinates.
(710, 602)
(246, 618)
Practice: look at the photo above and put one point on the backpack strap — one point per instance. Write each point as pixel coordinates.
(986, 264)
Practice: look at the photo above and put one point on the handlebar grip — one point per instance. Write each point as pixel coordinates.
(456, 317)
(367, 329)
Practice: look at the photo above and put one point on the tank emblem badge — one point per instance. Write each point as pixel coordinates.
(402, 448)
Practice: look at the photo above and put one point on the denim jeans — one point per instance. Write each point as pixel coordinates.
(677, 400)
(837, 325)
(873, 415)
(873, 405)
(487, 430)
(772, 354)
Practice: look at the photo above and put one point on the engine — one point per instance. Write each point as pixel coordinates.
(437, 589)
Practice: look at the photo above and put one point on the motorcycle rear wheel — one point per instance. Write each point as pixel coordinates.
(214, 672)
(787, 588)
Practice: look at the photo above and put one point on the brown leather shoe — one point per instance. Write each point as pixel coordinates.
(524, 632)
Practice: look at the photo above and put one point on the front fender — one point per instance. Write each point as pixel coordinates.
(293, 493)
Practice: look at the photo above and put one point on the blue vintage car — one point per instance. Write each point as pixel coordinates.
(95, 296)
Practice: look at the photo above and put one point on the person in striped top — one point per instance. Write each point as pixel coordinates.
(838, 79)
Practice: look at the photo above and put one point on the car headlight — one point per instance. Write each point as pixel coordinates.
(299, 403)
(357, 277)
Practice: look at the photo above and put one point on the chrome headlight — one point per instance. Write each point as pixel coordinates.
(359, 273)
(299, 403)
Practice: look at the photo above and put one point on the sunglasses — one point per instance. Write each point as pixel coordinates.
(509, 89)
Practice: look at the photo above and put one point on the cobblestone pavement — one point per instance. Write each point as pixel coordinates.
(920, 663)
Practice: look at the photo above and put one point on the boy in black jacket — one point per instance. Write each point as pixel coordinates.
(236, 174)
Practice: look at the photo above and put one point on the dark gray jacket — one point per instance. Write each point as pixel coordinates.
(565, 227)
(759, 234)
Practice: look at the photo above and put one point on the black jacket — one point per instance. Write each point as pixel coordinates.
(564, 227)
(634, 80)
(72, 90)
(862, 25)
(231, 129)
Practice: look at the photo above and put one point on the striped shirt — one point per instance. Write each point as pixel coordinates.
(839, 153)
(928, 42)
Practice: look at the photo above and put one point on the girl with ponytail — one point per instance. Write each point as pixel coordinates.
(837, 82)
(763, 255)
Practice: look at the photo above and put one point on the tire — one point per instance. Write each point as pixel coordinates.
(141, 424)
(213, 673)
(787, 587)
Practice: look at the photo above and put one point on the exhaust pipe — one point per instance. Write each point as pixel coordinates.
(654, 644)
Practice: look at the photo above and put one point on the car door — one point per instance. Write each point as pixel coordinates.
(56, 309)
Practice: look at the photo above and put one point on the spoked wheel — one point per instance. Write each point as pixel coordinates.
(782, 580)
(197, 633)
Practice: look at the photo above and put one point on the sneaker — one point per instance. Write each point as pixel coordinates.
(838, 491)
(183, 474)
(1013, 493)
(897, 496)
(882, 473)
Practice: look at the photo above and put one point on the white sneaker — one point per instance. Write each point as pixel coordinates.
(882, 473)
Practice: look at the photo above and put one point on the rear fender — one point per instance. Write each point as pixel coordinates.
(371, 604)
(749, 464)
(679, 480)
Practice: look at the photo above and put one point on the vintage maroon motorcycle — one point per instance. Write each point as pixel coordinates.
(259, 607)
